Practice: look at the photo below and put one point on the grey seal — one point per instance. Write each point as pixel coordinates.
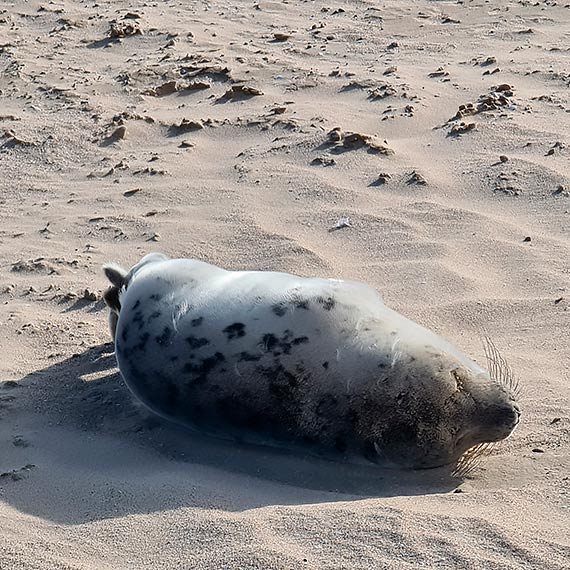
(317, 361)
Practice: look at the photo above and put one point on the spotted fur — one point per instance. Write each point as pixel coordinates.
(319, 361)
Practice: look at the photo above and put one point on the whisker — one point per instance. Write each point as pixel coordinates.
(499, 369)
(471, 459)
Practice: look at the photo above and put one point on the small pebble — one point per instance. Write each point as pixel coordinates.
(383, 178)
(89, 295)
(132, 192)
(19, 441)
(335, 135)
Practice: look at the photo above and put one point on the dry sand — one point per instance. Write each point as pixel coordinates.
(206, 135)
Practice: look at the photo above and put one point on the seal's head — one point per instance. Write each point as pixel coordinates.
(454, 413)
(495, 413)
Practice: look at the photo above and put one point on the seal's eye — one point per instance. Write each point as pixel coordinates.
(458, 379)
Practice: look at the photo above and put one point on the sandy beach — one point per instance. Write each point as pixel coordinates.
(436, 134)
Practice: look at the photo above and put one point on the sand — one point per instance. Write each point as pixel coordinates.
(203, 129)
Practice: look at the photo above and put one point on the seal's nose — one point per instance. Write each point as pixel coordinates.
(510, 414)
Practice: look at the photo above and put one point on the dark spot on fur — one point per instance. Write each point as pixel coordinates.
(285, 348)
(326, 365)
(299, 303)
(173, 358)
(237, 330)
(206, 365)
(327, 303)
(279, 309)
(143, 339)
(278, 346)
(125, 333)
(270, 341)
(165, 337)
(197, 322)
(138, 319)
(300, 340)
(196, 342)
(154, 297)
(136, 305)
(153, 316)
(247, 357)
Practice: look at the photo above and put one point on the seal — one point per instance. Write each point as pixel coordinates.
(317, 361)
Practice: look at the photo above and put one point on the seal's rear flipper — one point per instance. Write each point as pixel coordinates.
(118, 278)
(115, 274)
(111, 298)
